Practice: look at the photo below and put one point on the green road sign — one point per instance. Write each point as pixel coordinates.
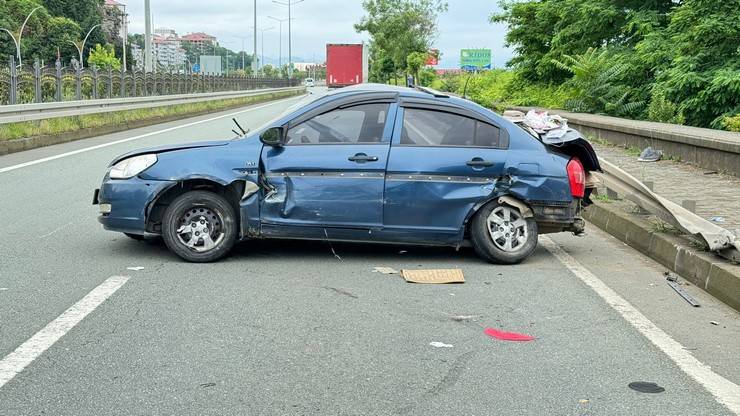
(474, 59)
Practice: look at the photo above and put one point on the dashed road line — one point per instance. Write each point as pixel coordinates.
(12, 364)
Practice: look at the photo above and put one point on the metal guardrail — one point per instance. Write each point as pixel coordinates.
(719, 240)
(29, 112)
(38, 83)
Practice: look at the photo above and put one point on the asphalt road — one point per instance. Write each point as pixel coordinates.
(288, 328)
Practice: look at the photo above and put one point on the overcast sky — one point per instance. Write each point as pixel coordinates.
(317, 22)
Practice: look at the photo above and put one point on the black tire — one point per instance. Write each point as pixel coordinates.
(195, 206)
(483, 241)
(137, 237)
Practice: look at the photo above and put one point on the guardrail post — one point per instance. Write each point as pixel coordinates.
(123, 82)
(78, 81)
(110, 81)
(36, 80)
(95, 81)
(13, 97)
(58, 80)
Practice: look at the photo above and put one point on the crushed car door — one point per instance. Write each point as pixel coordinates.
(330, 172)
(442, 162)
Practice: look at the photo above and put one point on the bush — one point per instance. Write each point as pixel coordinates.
(662, 110)
(731, 123)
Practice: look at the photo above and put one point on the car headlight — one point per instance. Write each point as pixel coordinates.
(132, 166)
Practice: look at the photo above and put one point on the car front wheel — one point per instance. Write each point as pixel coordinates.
(501, 234)
(199, 226)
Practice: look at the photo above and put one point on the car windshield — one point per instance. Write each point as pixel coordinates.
(304, 101)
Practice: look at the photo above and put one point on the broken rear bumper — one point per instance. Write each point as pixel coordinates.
(558, 216)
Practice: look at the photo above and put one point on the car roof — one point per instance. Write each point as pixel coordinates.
(408, 92)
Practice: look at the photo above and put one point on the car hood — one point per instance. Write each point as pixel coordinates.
(169, 148)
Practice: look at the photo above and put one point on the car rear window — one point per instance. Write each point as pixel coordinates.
(438, 128)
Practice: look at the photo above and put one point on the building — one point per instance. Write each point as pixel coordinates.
(168, 48)
(115, 19)
(201, 40)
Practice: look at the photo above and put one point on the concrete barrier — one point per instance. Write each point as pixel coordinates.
(710, 149)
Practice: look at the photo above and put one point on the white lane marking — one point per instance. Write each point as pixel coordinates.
(128, 139)
(725, 391)
(24, 355)
(55, 230)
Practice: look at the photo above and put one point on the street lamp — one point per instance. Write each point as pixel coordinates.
(289, 3)
(262, 60)
(244, 51)
(17, 39)
(280, 53)
(81, 45)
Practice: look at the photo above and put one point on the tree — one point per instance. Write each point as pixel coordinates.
(86, 13)
(398, 28)
(414, 62)
(103, 57)
(703, 72)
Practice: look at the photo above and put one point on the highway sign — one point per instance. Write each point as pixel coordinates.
(475, 59)
(196, 68)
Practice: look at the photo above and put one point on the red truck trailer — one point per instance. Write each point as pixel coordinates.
(346, 64)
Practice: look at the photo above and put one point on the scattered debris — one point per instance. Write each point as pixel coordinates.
(650, 155)
(342, 292)
(711, 172)
(645, 387)
(507, 336)
(384, 270)
(135, 268)
(437, 344)
(673, 282)
(3, 288)
(462, 318)
(208, 384)
(714, 322)
(583, 401)
(331, 246)
(486, 283)
(717, 219)
(402, 251)
(433, 276)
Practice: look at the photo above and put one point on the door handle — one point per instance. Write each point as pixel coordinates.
(362, 158)
(477, 162)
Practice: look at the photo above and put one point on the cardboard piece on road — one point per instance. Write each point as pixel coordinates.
(384, 270)
(433, 276)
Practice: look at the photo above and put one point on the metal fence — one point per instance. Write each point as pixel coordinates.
(42, 84)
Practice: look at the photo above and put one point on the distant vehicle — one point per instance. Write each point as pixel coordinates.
(310, 82)
(369, 163)
(346, 64)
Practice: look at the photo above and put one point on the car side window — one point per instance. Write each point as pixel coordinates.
(358, 124)
(438, 128)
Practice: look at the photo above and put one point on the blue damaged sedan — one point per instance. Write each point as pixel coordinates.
(370, 163)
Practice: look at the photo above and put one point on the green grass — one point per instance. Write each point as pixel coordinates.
(56, 126)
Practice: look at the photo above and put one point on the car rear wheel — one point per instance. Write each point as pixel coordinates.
(199, 226)
(501, 234)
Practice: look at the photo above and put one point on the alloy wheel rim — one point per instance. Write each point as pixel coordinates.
(200, 229)
(507, 228)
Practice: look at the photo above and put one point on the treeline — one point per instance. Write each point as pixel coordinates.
(55, 27)
(662, 60)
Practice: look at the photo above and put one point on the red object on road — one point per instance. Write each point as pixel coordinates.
(507, 336)
(346, 64)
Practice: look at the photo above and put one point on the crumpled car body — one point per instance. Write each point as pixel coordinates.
(414, 172)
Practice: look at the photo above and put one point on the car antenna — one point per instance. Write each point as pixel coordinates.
(240, 127)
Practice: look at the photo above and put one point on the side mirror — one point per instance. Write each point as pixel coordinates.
(273, 136)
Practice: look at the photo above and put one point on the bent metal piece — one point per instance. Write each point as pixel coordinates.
(720, 240)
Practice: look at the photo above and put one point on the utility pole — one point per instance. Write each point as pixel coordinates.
(124, 23)
(147, 37)
(280, 48)
(17, 37)
(262, 60)
(254, 54)
(289, 3)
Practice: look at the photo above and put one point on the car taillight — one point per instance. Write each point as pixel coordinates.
(576, 178)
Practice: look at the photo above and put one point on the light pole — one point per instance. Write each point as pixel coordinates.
(244, 50)
(262, 60)
(289, 3)
(81, 45)
(254, 54)
(148, 67)
(17, 39)
(280, 48)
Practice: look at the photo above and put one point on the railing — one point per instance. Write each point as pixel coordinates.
(43, 84)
